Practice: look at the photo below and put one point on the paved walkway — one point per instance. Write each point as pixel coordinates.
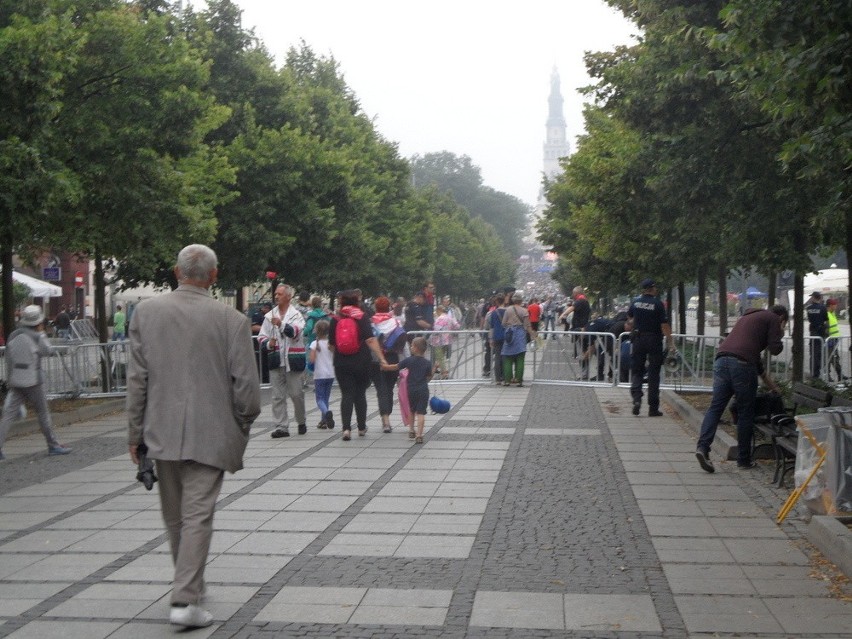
(547, 511)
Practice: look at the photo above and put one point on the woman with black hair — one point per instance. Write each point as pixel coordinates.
(351, 338)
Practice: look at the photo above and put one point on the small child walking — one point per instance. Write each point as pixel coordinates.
(419, 373)
(323, 360)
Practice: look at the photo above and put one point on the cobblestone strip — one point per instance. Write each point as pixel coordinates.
(308, 568)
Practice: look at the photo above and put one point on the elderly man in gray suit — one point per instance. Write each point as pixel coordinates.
(192, 395)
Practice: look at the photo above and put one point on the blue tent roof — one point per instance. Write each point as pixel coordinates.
(752, 292)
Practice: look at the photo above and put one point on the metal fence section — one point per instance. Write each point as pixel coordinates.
(556, 357)
(91, 369)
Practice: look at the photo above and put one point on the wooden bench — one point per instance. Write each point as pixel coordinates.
(781, 429)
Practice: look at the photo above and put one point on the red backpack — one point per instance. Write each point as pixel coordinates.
(346, 340)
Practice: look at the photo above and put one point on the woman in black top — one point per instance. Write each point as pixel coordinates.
(353, 371)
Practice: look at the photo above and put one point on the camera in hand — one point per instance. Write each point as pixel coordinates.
(146, 467)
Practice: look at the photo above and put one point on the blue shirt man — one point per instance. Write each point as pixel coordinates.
(650, 323)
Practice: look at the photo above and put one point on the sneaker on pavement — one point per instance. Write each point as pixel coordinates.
(387, 429)
(190, 616)
(636, 407)
(280, 432)
(747, 465)
(58, 450)
(705, 462)
(655, 412)
(303, 429)
(329, 419)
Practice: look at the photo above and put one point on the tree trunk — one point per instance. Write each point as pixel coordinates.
(100, 300)
(101, 321)
(772, 285)
(669, 307)
(241, 299)
(702, 296)
(722, 276)
(681, 306)
(798, 327)
(8, 318)
(849, 275)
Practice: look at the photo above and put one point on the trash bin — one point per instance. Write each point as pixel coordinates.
(839, 459)
(816, 494)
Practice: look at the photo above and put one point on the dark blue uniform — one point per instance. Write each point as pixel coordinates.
(648, 315)
(817, 315)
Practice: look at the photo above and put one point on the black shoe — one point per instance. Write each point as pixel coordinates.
(654, 412)
(636, 407)
(747, 465)
(322, 425)
(329, 419)
(303, 429)
(705, 462)
(280, 432)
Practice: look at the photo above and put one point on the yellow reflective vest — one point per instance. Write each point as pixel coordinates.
(833, 327)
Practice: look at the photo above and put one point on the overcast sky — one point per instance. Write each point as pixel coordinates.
(467, 76)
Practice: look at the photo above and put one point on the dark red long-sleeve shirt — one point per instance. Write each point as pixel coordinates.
(754, 332)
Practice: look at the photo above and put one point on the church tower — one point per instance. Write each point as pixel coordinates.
(556, 145)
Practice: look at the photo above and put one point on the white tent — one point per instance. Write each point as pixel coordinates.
(830, 280)
(37, 287)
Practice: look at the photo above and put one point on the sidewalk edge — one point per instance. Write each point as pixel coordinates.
(723, 444)
(833, 539)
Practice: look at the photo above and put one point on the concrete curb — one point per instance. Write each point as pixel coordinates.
(723, 444)
(30, 424)
(834, 540)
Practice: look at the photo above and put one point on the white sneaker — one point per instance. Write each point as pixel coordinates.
(190, 617)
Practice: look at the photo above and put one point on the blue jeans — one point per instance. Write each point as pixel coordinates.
(731, 377)
(322, 393)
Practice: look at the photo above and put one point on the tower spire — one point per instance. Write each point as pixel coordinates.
(556, 144)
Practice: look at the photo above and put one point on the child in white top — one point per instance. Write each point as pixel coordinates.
(323, 360)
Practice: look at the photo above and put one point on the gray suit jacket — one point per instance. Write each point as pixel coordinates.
(192, 385)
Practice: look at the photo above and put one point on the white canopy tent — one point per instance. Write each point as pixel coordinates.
(37, 287)
(827, 281)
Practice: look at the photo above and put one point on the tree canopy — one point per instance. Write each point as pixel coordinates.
(130, 130)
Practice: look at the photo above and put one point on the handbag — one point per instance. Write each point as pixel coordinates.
(509, 335)
(273, 359)
(296, 363)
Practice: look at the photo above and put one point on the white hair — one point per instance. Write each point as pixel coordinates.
(289, 290)
(196, 261)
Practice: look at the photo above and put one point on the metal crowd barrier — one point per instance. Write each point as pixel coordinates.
(556, 357)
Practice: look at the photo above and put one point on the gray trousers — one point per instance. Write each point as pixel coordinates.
(286, 384)
(12, 408)
(188, 493)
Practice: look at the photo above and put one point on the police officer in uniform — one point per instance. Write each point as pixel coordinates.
(650, 324)
(817, 316)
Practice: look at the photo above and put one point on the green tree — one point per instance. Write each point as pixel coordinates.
(458, 176)
(36, 53)
(134, 118)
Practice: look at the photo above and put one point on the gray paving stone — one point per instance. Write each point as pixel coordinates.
(726, 614)
(518, 610)
(623, 613)
(557, 516)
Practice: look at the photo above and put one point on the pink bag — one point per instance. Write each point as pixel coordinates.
(402, 396)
